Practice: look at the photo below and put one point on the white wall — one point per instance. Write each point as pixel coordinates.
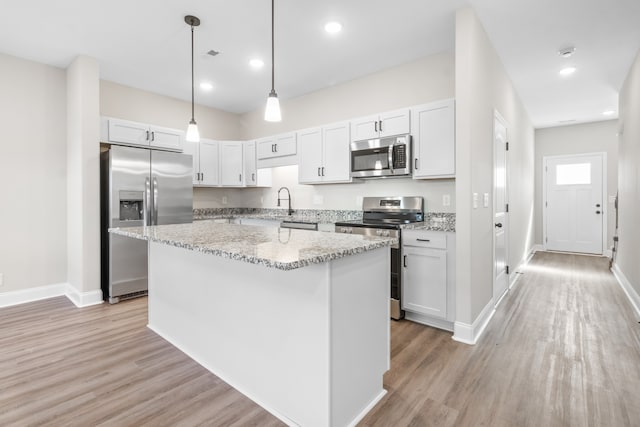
(426, 80)
(483, 86)
(32, 174)
(332, 196)
(83, 180)
(629, 178)
(578, 139)
(128, 103)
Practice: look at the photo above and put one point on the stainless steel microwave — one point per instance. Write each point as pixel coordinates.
(381, 157)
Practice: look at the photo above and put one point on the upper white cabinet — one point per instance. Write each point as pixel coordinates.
(323, 154)
(126, 132)
(205, 162)
(434, 143)
(254, 177)
(381, 125)
(231, 163)
(277, 146)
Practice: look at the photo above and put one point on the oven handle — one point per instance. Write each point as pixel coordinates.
(391, 158)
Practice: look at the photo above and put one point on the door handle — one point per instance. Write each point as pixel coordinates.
(498, 224)
(272, 148)
(275, 148)
(404, 260)
(427, 240)
(155, 201)
(201, 176)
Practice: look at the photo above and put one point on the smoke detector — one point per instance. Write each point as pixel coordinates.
(567, 51)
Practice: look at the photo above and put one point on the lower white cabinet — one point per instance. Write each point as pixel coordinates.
(428, 277)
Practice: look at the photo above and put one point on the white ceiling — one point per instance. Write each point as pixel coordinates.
(146, 44)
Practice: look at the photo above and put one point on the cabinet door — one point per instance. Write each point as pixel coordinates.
(424, 288)
(394, 123)
(209, 162)
(192, 148)
(310, 156)
(433, 130)
(170, 139)
(285, 144)
(130, 133)
(336, 156)
(364, 128)
(231, 163)
(265, 148)
(250, 172)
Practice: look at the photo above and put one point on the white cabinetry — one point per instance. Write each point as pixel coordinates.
(428, 277)
(250, 167)
(323, 154)
(125, 132)
(231, 160)
(205, 162)
(277, 146)
(381, 125)
(433, 131)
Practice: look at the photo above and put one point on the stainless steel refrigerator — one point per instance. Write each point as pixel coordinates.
(138, 187)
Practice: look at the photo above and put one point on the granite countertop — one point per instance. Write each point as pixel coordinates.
(434, 222)
(320, 216)
(284, 249)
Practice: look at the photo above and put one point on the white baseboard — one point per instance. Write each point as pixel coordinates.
(32, 294)
(608, 253)
(517, 274)
(628, 289)
(469, 334)
(537, 248)
(367, 408)
(429, 321)
(23, 296)
(83, 299)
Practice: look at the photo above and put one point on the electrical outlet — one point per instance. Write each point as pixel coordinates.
(475, 200)
(1, 280)
(485, 201)
(446, 200)
(224, 200)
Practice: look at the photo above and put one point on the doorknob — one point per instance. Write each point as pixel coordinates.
(498, 224)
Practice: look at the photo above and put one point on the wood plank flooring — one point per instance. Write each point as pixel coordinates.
(562, 349)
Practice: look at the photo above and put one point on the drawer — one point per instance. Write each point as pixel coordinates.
(424, 239)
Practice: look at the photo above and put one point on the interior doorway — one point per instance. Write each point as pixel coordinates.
(574, 214)
(500, 208)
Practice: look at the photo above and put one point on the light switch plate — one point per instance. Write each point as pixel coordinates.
(1, 279)
(485, 200)
(446, 200)
(475, 200)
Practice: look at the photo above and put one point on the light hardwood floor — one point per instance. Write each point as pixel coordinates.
(562, 349)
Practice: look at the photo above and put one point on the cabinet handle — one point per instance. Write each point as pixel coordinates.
(404, 260)
(147, 135)
(423, 240)
(375, 125)
(153, 136)
(253, 177)
(415, 164)
(319, 172)
(276, 145)
(240, 177)
(201, 176)
(272, 149)
(380, 125)
(323, 171)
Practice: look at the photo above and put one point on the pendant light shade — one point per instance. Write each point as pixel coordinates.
(272, 111)
(193, 135)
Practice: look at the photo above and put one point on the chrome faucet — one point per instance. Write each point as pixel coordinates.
(288, 198)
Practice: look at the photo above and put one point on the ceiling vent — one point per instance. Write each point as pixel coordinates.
(567, 51)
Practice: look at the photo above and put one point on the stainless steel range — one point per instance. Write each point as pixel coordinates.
(384, 216)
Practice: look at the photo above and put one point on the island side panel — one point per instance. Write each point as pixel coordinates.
(360, 333)
(262, 330)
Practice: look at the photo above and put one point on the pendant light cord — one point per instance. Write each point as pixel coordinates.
(272, 48)
(192, 80)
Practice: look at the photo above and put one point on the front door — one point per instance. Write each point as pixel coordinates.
(500, 209)
(573, 206)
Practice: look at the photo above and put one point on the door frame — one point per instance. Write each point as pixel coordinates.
(605, 194)
(507, 224)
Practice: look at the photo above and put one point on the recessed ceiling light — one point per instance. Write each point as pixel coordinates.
(333, 27)
(256, 63)
(608, 113)
(567, 51)
(206, 86)
(567, 71)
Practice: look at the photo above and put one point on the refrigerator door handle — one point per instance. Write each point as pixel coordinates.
(155, 201)
(146, 202)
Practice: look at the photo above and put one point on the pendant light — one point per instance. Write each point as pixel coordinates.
(272, 112)
(192, 130)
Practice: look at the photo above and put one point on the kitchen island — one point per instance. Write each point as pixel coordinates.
(296, 320)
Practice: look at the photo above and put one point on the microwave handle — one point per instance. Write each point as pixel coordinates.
(391, 158)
